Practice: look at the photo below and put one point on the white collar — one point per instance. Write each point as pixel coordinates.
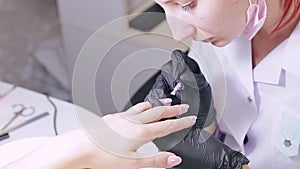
(286, 57)
(269, 69)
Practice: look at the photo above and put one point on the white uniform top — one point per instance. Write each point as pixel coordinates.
(261, 103)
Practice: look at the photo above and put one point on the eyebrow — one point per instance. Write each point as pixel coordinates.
(170, 1)
(166, 1)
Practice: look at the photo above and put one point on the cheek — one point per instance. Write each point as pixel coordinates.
(222, 22)
(221, 25)
(229, 28)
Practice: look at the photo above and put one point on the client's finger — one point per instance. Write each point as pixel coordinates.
(159, 102)
(166, 101)
(163, 128)
(138, 108)
(160, 112)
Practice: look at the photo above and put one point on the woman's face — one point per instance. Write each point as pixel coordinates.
(216, 21)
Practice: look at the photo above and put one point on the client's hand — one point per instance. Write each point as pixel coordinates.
(141, 124)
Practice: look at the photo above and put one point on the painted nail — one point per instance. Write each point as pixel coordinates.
(167, 101)
(173, 160)
(193, 118)
(184, 108)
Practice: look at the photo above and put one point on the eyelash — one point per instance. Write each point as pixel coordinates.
(188, 6)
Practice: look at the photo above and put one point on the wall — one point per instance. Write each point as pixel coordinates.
(24, 27)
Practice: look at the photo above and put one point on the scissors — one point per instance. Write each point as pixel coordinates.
(19, 110)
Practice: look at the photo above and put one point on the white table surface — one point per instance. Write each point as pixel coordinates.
(66, 114)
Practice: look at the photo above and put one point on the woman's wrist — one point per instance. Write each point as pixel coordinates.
(74, 150)
(66, 151)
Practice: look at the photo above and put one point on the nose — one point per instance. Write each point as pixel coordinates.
(180, 28)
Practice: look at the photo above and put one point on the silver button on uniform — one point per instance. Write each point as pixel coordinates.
(287, 142)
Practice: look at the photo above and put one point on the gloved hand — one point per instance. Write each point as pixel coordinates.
(201, 150)
(198, 149)
(195, 90)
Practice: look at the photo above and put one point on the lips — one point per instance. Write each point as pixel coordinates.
(207, 40)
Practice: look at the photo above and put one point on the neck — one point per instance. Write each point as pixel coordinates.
(274, 15)
(266, 39)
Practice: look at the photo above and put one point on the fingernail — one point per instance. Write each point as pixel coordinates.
(184, 108)
(167, 101)
(173, 160)
(193, 118)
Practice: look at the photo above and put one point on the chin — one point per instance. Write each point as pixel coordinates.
(220, 43)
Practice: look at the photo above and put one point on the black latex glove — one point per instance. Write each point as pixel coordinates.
(201, 150)
(196, 90)
(198, 149)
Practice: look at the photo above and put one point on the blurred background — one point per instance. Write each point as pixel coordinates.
(30, 42)
(41, 39)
